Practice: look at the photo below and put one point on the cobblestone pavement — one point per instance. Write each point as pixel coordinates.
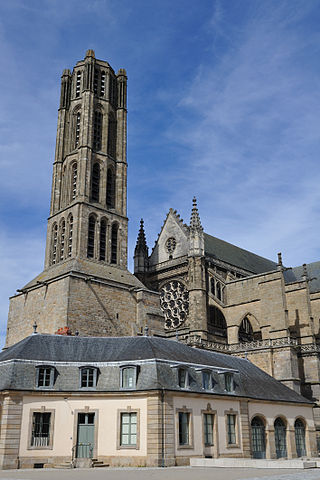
(175, 473)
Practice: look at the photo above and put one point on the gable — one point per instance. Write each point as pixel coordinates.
(173, 228)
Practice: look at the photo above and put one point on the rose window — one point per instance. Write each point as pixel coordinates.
(174, 301)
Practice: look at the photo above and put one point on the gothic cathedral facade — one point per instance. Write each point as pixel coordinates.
(193, 286)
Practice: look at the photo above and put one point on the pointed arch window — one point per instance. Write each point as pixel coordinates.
(62, 239)
(95, 182)
(114, 243)
(96, 81)
(91, 234)
(78, 84)
(110, 188)
(216, 323)
(74, 178)
(212, 286)
(70, 235)
(103, 238)
(54, 243)
(77, 130)
(103, 84)
(245, 333)
(112, 136)
(97, 130)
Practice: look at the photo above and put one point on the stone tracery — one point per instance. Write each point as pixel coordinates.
(174, 301)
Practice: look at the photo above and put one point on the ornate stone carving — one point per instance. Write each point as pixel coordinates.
(174, 301)
(171, 244)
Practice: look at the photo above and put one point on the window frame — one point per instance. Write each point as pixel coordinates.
(211, 382)
(41, 410)
(135, 377)
(95, 372)
(188, 412)
(186, 384)
(129, 411)
(52, 376)
(229, 388)
(205, 432)
(235, 414)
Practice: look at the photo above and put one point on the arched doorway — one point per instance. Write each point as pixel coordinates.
(258, 438)
(300, 434)
(280, 436)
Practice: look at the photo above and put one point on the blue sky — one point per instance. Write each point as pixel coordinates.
(223, 101)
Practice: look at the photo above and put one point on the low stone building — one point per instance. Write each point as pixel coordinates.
(141, 401)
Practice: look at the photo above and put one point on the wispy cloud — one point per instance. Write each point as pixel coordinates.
(250, 119)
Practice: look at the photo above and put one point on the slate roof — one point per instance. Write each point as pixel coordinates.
(236, 256)
(296, 275)
(157, 357)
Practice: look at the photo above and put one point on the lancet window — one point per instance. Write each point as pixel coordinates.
(112, 136)
(70, 235)
(103, 238)
(91, 235)
(77, 130)
(74, 178)
(95, 182)
(110, 188)
(62, 238)
(54, 243)
(114, 243)
(103, 84)
(97, 130)
(78, 84)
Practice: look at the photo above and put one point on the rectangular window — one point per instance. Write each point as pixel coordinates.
(206, 381)
(128, 377)
(184, 428)
(231, 429)
(183, 377)
(128, 429)
(45, 377)
(88, 377)
(228, 381)
(40, 436)
(208, 419)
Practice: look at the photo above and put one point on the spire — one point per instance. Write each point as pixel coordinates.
(141, 245)
(196, 238)
(195, 222)
(141, 253)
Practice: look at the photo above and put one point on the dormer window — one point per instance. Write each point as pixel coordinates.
(128, 378)
(45, 377)
(183, 378)
(88, 377)
(207, 383)
(228, 382)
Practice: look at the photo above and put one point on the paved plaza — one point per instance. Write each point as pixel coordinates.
(175, 473)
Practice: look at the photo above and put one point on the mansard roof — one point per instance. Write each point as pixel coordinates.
(236, 256)
(296, 274)
(157, 358)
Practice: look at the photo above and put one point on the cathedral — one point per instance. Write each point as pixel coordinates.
(192, 290)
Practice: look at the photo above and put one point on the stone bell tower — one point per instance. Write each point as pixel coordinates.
(85, 286)
(89, 186)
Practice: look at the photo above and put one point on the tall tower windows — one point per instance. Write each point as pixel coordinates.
(77, 130)
(110, 188)
(103, 238)
(103, 84)
(91, 232)
(54, 243)
(95, 182)
(74, 178)
(114, 243)
(96, 81)
(62, 238)
(97, 130)
(112, 136)
(70, 235)
(78, 84)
